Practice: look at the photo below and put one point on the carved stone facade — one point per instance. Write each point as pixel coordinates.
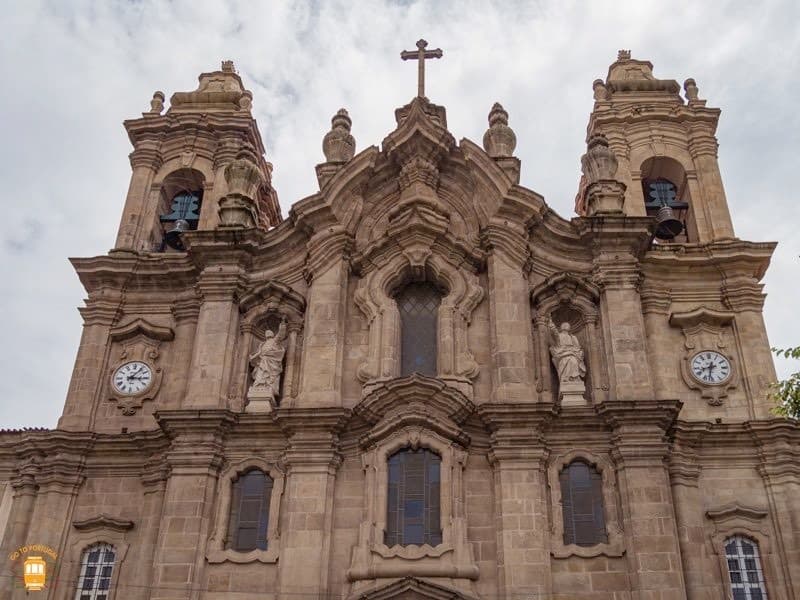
(683, 463)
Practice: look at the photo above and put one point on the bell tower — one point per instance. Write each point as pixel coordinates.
(186, 162)
(667, 152)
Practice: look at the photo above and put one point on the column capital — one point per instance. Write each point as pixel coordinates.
(517, 432)
(197, 437)
(639, 429)
(313, 437)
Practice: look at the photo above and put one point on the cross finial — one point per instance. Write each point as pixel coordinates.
(420, 55)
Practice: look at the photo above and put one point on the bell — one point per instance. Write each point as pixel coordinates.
(667, 226)
(173, 236)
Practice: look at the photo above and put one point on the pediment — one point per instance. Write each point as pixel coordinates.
(141, 327)
(699, 316)
(103, 521)
(736, 511)
(414, 401)
(271, 295)
(412, 588)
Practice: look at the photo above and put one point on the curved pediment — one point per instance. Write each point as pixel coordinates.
(103, 521)
(411, 588)
(141, 327)
(415, 400)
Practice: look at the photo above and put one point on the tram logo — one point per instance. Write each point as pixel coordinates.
(34, 565)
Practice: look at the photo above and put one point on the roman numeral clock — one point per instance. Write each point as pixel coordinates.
(708, 363)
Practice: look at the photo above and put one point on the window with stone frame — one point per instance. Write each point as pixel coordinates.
(582, 505)
(97, 567)
(744, 569)
(249, 512)
(413, 500)
(418, 304)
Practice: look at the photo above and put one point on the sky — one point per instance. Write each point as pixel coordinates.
(73, 71)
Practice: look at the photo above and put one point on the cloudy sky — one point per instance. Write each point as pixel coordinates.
(72, 71)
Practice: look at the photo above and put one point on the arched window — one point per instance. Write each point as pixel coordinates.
(582, 505)
(744, 568)
(249, 516)
(418, 304)
(97, 565)
(413, 514)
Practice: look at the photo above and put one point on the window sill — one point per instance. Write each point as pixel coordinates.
(411, 551)
(263, 556)
(611, 550)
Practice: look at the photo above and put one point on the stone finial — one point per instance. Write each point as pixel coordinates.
(227, 66)
(157, 103)
(499, 140)
(603, 194)
(600, 90)
(338, 145)
(690, 87)
(237, 209)
(599, 163)
(624, 55)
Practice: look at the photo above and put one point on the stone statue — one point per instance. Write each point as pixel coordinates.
(567, 354)
(267, 365)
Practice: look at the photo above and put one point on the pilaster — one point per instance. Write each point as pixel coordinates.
(312, 459)
(640, 451)
(194, 459)
(518, 457)
(509, 307)
(323, 343)
(220, 284)
(617, 242)
(703, 149)
(145, 161)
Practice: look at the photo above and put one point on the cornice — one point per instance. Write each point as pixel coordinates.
(103, 521)
(141, 326)
(197, 438)
(431, 391)
(517, 431)
(507, 239)
(164, 272)
(729, 259)
(313, 433)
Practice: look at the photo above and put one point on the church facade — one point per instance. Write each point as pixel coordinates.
(421, 383)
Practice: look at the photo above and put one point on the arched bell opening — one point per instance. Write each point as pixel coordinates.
(667, 197)
(180, 203)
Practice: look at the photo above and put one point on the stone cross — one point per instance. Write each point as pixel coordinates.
(420, 55)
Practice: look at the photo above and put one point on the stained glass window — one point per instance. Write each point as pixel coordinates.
(413, 515)
(247, 524)
(97, 564)
(744, 568)
(419, 306)
(582, 505)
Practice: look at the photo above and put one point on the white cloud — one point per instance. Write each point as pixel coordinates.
(74, 71)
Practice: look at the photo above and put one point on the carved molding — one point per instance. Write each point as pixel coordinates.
(103, 521)
(706, 329)
(453, 558)
(615, 545)
(216, 552)
(143, 327)
(411, 588)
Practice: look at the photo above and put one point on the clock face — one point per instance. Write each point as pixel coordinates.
(132, 378)
(711, 368)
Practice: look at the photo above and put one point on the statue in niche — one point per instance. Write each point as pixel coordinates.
(567, 354)
(267, 365)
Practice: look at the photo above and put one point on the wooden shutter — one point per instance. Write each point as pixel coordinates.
(582, 505)
(413, 510)
(247, 524)
(418, 304)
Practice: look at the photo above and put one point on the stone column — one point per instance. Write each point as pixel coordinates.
(703, 148)
(617, 243)
(321, 367)
(779, 441)
(312, 459)
(509, 313)
(518, 456)
(651, 535)
(19, 521)
(684, 473)
(215, 335)
(98, 317)
(194, 457)
(744, 297)
(154, 482)
(146, 161)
